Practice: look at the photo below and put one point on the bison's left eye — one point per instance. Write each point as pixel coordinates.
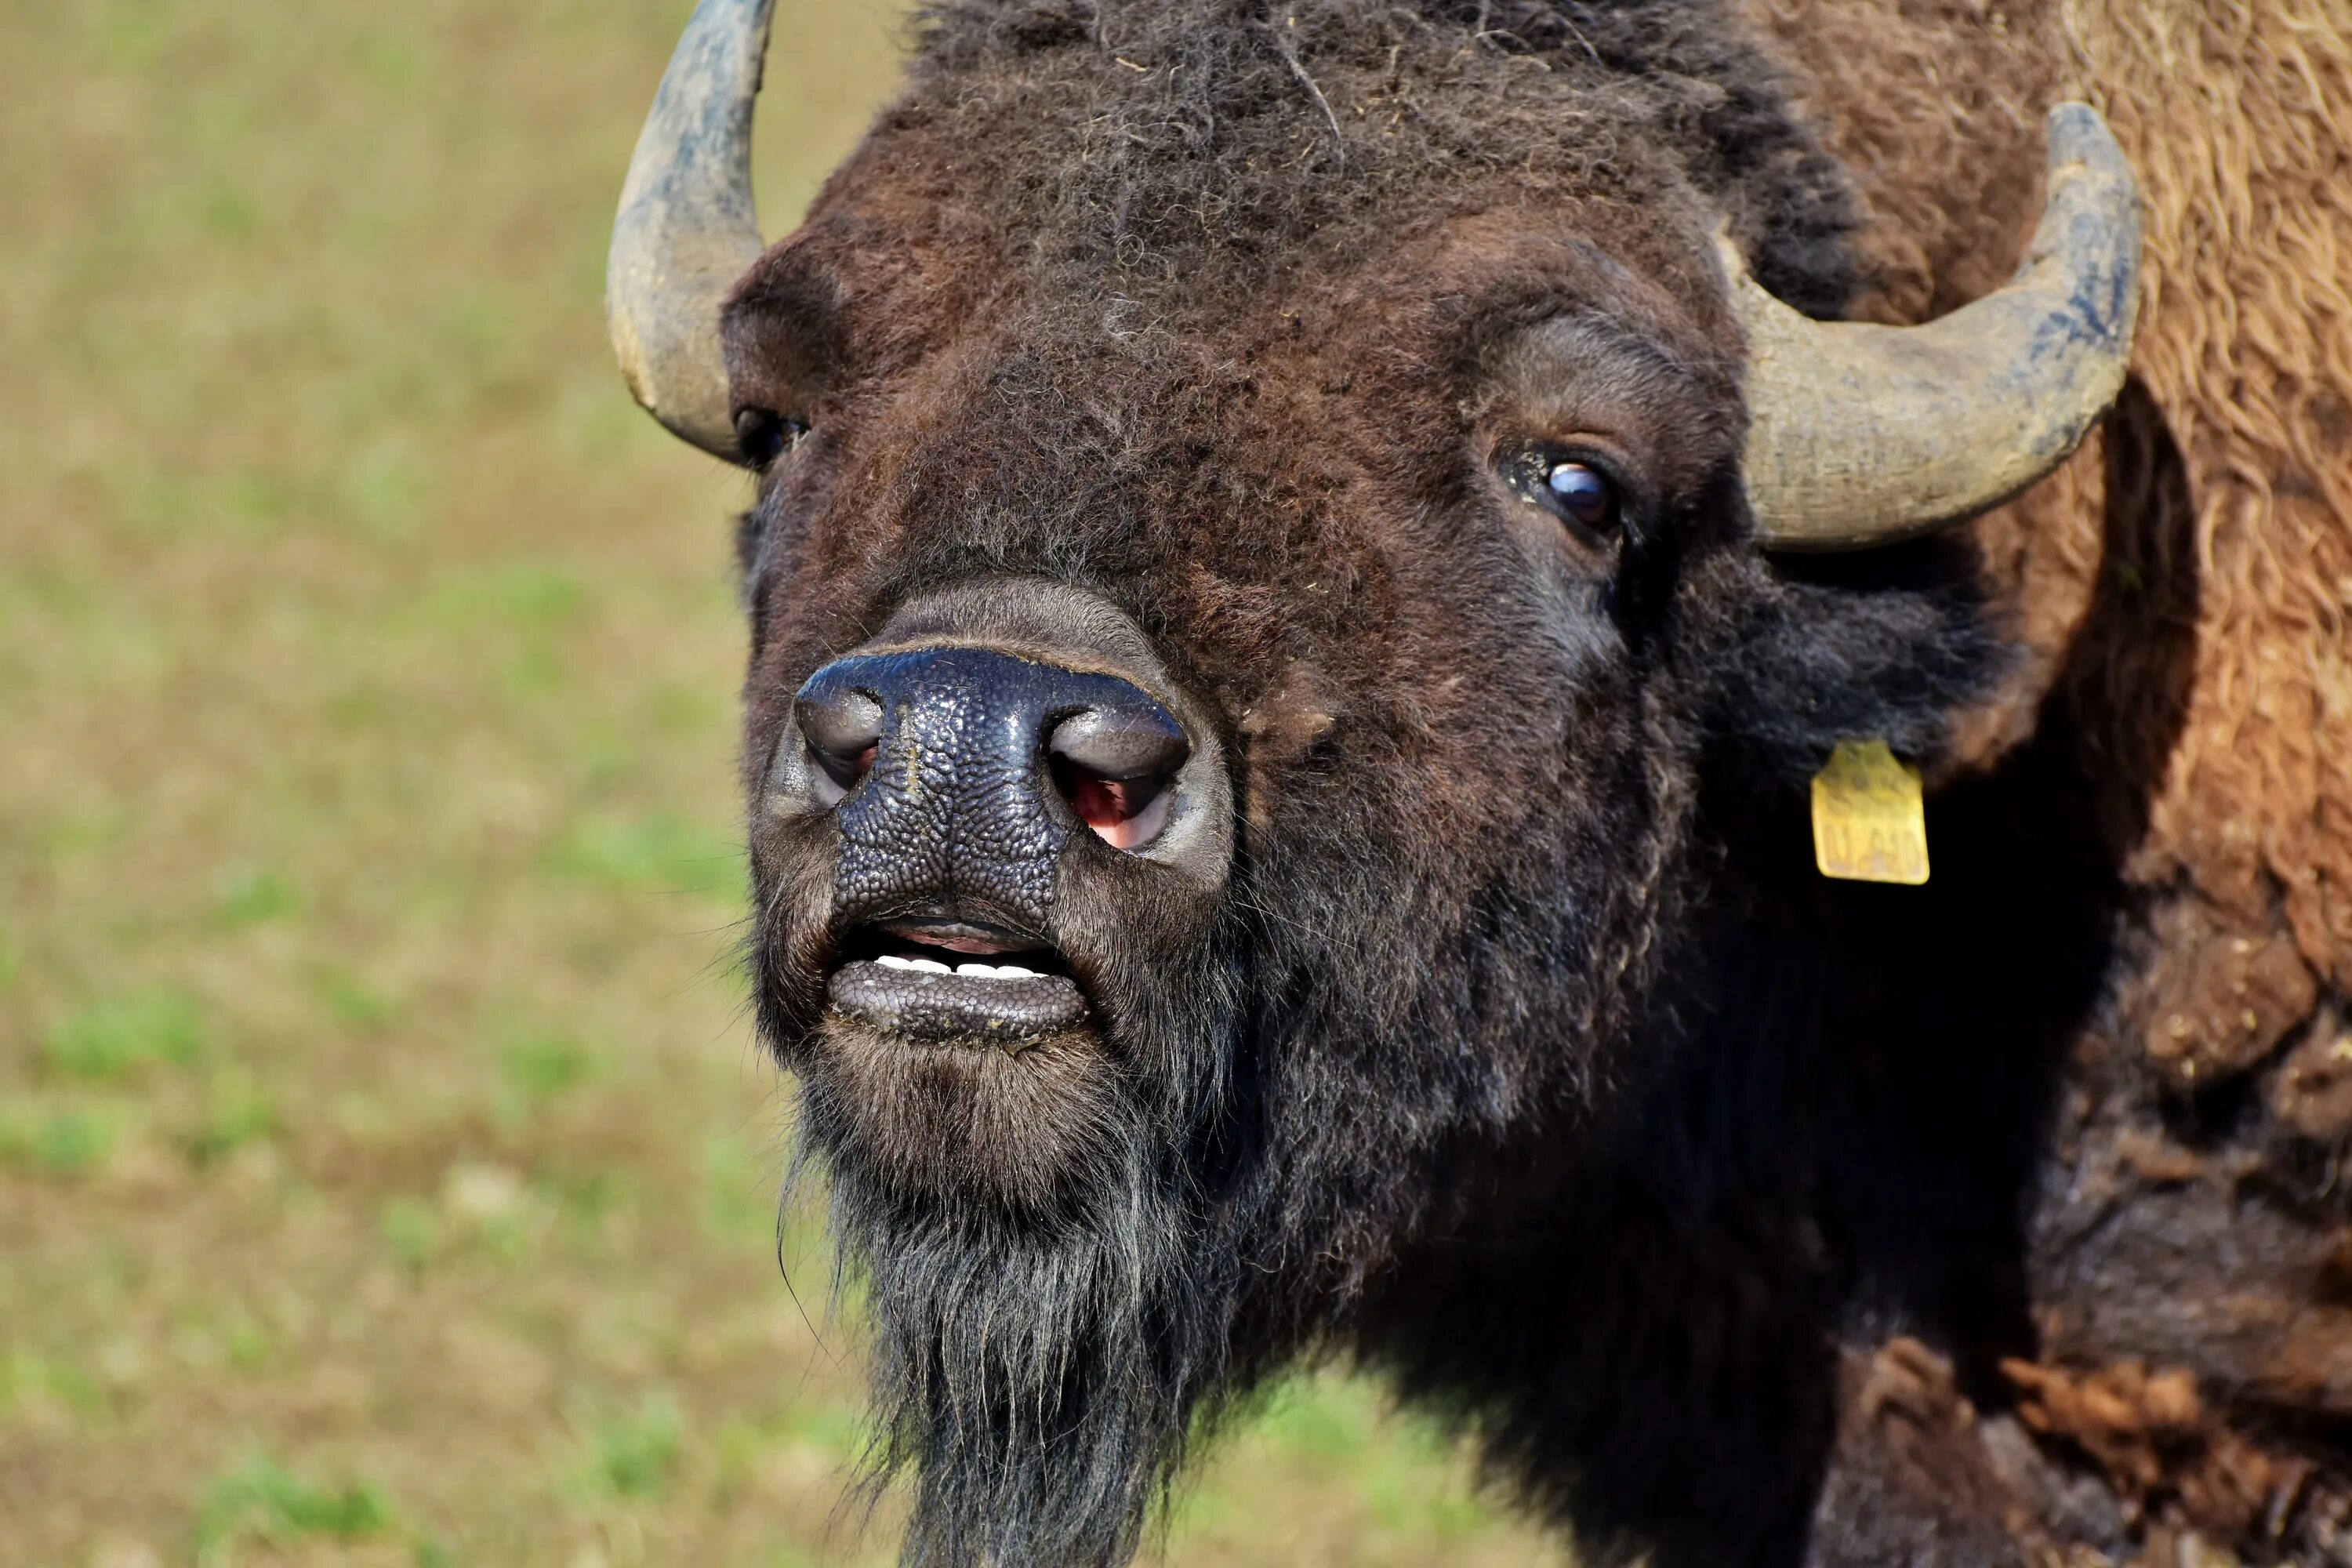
(1582, 494)
(1575, 488)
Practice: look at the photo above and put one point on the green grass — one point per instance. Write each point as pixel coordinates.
(59, 1145)
(634, 1455)
(543, 1067)
(385, 1174)
(248, 894)
(259, 1500)
(115, 1034)
(235, 1113)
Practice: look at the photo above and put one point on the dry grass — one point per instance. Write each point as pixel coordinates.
(385, 1173)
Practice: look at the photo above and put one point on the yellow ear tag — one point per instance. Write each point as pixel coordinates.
(1869, 822)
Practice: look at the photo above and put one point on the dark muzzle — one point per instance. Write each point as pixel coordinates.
(961, 774)
(1022, 809)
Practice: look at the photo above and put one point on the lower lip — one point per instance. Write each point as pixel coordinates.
(972, 1009)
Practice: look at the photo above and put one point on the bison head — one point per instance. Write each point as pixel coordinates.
(1266, 683)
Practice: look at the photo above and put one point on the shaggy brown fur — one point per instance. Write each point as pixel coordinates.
(2202, 642)
(1746, 1219)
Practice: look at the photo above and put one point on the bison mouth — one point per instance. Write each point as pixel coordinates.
(956, 982)
(960, 1061)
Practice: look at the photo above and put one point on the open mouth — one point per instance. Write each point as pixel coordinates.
(955, 980)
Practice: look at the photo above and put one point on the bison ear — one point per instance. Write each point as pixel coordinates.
(1862, 434)
(1889, 645)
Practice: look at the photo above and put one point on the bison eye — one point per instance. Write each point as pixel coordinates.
(1582, 495)
(762, 436)
(1578, 488)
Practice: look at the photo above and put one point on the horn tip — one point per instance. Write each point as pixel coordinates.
(2078, 133)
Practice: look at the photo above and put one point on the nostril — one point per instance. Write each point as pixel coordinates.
(1138, 742)
(836, 775)
(1114, 766)
(843, 728)
(1125, 814)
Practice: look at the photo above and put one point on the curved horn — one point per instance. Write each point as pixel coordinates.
(1862, 434)
(687, 231)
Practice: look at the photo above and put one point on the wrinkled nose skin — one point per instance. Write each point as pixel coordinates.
(958, 812)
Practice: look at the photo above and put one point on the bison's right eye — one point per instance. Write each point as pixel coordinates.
(762, 436)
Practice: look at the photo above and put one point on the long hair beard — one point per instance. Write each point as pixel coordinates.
(1036, 1372)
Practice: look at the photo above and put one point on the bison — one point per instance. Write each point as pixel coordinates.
(1307, 555)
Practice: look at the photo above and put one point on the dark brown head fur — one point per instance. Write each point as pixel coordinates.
(1228, 317)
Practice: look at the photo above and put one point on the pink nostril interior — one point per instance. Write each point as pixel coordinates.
(1125, 814)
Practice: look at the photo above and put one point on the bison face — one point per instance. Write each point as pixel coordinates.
(1292, 681)
(1262, 678)
(1215, 790)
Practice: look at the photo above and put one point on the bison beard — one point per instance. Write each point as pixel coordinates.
(1036, 1372)
(1036, 1358)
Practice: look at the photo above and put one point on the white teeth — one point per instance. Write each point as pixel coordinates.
(995, 972)
(969, 971)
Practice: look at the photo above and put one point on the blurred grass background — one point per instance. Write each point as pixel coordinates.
(385, 1170)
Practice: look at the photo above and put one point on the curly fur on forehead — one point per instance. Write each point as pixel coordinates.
(1174, 144)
